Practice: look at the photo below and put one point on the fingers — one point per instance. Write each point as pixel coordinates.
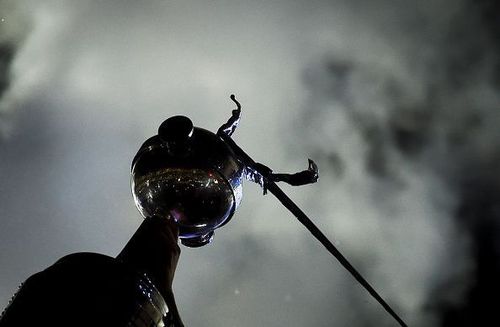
(172, 227)
(166, 226)
(168, 233)
(173, 311)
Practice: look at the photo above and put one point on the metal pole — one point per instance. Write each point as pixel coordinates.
(271, 186)
(301, 216)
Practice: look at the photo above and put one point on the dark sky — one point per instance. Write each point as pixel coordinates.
(397, 102)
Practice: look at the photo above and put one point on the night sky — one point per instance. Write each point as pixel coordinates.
(397, 102)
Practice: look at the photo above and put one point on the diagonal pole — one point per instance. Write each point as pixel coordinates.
(271, 186)
(301, 216)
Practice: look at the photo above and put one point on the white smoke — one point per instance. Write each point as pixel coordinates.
(322, 79)
(398, 140)
(13, 29)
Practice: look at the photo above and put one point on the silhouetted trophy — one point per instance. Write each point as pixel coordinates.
(190, 175)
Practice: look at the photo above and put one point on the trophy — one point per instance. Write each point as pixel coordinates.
(194, 177)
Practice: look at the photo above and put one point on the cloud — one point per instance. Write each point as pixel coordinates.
(13, 30)
(363, 87)
(412, 138)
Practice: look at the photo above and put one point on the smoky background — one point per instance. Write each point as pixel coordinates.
(396, 101)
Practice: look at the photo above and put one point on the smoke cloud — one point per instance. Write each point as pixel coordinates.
(13, 31)
(395, 100)
(416, 145)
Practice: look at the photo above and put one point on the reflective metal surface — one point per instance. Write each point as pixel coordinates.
(190, 175)
(196, 199)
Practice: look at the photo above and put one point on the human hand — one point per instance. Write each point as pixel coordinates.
(154, 249)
